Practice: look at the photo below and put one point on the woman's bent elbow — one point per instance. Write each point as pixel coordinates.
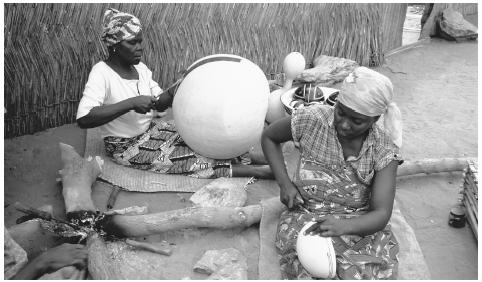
(82, 123)
(265, 138)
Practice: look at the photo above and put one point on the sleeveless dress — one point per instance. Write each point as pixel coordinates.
(340, 188)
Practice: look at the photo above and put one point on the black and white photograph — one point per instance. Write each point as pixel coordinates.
(240, 141)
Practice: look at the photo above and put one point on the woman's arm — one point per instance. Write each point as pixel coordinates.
(103, 114)
(166, 97)
(381, 204)
(53, 260)
(272, 138)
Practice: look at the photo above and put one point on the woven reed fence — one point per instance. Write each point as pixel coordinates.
(50, 48)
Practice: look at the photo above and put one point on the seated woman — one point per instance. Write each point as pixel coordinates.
(120, 97)
(345, 180)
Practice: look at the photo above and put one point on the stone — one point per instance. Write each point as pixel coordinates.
(225, 264)
(222, 192)
(453, 26)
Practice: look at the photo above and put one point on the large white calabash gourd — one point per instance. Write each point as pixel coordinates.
(220, 106)
(316, 254)
(293, 65)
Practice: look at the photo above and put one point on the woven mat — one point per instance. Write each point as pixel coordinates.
(135, 179)
(412, 265)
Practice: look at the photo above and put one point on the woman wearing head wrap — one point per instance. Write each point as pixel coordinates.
(345, 180)
(120, 96)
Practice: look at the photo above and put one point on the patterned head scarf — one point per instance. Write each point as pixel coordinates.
(118, 26)
(370, 93)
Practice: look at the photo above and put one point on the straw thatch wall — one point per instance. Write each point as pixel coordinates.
(393, 18)
(50, 48)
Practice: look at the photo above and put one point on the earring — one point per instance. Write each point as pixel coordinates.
(114, 50)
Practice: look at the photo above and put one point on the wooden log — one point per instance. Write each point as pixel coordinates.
(98, 256)
(432, 166)
(212, 217)
(78, 174)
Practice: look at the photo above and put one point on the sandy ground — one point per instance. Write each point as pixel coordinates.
(436, 90)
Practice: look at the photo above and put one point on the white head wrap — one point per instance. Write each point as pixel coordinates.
(370, 93)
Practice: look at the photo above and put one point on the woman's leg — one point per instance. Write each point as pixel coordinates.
(257, 171)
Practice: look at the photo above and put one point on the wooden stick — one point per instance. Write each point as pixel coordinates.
(31, 211)
(432, 166)
(407, 47)
(150, 247)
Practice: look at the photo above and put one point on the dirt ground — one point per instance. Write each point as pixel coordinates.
(436, 90)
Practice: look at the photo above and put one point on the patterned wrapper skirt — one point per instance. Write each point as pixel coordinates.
(368, 257)
(161, 149)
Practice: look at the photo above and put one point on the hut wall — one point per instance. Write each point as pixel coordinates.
(466, 8)
(50, 48)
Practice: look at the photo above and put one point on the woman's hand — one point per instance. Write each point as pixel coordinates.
(163, 102)
(328, 226)
(61, 256)
(53, 260)
(142, 104)
(289, 195)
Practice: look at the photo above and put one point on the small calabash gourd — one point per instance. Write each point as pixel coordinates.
(220, 106)
(293, 65)
(316, 254)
